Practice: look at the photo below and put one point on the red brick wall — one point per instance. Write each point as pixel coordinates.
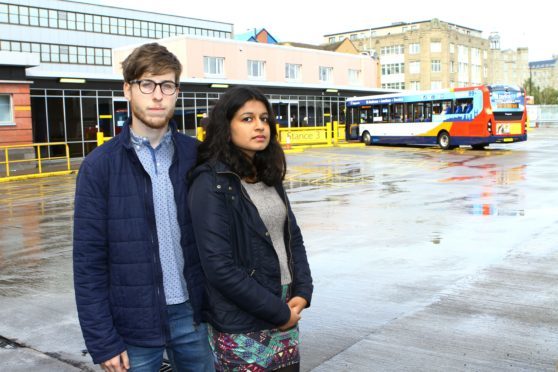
(22, 132)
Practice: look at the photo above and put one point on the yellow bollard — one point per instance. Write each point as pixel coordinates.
(100, 138)
(288, 141)
(200, 134)
(335, 132)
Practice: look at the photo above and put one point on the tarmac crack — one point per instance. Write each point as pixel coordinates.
(6, 343)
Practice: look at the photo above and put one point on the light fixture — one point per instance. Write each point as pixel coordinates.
(331, 90)
(72, 80)
(219, 86)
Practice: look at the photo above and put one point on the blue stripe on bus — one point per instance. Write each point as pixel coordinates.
(455, 141)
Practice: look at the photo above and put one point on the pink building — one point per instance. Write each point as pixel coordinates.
(225, 61)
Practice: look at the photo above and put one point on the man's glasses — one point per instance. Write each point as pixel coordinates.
(148, 86)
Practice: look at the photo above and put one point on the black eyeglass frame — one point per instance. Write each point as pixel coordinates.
(155, 84)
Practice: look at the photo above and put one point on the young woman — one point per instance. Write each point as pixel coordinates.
(251, 248)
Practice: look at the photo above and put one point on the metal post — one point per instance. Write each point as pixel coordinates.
(39, 158)
(7, 162)
(68, 155)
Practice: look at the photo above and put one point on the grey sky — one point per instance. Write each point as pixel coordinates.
(520, 24)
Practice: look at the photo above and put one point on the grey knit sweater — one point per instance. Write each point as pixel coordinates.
(273, 212)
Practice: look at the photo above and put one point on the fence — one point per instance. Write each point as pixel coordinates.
(542, 115)
(34, 160)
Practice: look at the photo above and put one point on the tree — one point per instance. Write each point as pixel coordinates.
(531, 89)
(548, 96)
(545, 96)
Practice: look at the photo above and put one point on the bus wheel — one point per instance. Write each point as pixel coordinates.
(444, 141)
(367, 138)
(479, 146)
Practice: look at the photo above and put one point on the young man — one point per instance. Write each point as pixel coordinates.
(137, 275)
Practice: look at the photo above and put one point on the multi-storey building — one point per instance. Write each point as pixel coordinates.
(507, 66)
(46, 43)
(60, 79)
(434, 54)
(544, 74)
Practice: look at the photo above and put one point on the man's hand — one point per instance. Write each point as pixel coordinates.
(119, 363)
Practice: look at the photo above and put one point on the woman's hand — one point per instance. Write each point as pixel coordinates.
(298, 304)
(295, 317)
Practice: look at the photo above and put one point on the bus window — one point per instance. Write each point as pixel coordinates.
(418, 112)
(409, 110)
(427, 111)
(376, 115)
(397, 113)
(436, 108)
(463, 106)
(385, 113)
(447, 107)
(365, 115)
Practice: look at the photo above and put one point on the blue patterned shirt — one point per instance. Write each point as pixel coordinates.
(156, 163)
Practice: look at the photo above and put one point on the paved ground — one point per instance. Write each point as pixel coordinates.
(423, 260)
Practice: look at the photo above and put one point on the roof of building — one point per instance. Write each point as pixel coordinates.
(253, 35)
(543, 64)
(332, 47)
(395, 24)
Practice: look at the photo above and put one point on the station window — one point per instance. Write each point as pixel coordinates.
(292, 71)
(6, 114)
(326, 74)
(355, 77)
(256, 69)
(213, 66)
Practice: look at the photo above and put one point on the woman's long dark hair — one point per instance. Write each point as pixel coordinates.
(268, 165)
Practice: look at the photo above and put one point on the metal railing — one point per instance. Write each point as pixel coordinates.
(332, 134)
(28, 161)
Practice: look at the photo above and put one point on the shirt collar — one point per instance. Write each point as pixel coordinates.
(140, 141)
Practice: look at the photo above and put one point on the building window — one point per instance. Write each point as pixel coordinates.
(326, 74)
(393, 68)
(213, 66)
(6, 114)
(414, 67)
(292, 72)
(452, 48)
(256, 69)
(414, 48)
(3, 13)
(435, 47)
(53, 18)
(415, 85)
(354, 77)
(436, 84)
(452, 66)
(392, 49)
(396, 85)
(436, 65)
(353, 37)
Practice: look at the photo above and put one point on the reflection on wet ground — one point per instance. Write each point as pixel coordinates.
(35, 236)
(387, 229)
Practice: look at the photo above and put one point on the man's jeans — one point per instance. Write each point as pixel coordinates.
(187, 350)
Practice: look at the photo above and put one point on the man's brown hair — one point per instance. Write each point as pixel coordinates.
(150, 58)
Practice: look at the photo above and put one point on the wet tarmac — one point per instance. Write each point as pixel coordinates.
(423, 260)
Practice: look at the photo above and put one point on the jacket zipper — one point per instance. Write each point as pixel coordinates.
(166, 329)
(288, 246)
(290, 253)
